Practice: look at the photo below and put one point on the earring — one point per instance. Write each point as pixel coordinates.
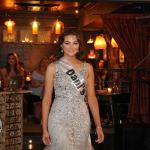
(62, 51)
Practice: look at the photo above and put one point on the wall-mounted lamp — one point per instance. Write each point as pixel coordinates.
(113, 43)
(58, 27)
(35, 27)
(100, 42)
(10, 25)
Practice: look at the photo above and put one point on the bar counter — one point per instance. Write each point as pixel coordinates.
(11, 119)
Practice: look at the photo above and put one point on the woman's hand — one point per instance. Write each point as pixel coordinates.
(46, 138)
(100, 135)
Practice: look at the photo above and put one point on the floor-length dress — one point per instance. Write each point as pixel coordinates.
(69, 120)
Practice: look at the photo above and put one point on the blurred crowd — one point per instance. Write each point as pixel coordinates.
(14, 76)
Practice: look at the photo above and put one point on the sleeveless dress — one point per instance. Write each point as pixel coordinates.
(69, 120)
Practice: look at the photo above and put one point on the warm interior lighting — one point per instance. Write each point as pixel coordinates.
(9, 3)
(10, 25)
(35, 26)
(28, 77)
(113, 43)
(121, 56)
(76, 11)
(35, 8)
(109, 90)
(58, 27)
(90, 41)
(91, 55)
(100, 42)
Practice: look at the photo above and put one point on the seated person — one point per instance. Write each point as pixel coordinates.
(37, 85)
(12, 71)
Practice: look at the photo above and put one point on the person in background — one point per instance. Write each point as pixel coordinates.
(12, 71)
(66, 122)
(101, 75)
(37, 84)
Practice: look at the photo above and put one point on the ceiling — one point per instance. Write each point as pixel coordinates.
(45, 5)
(68, 7)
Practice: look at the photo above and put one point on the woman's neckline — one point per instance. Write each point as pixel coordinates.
(74, 65)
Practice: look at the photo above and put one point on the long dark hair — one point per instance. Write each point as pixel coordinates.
(16, 67)
(59, 53)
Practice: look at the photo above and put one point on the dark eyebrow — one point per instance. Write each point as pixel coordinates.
(69, 41)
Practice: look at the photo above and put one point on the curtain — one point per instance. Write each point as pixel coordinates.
(131, 37)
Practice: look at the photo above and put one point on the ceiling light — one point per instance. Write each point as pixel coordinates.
(35, 8)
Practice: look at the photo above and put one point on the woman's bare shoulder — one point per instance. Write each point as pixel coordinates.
(51, 67)
(89, 67)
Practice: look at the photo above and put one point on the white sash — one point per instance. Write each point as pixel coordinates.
(77, 80)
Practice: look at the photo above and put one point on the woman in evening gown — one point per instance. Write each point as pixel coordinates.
(66, 121)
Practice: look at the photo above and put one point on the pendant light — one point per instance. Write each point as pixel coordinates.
(58, 27)
(35, 27)
(10, 25)
(100, 42)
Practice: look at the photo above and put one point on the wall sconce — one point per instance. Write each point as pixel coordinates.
(113, 43)
(58, 27)
(100, 42)
(35, 26)
(91, 55)
(10, 25)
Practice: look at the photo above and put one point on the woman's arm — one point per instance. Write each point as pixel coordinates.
(47, 100)
(4, 78)
(93, 103)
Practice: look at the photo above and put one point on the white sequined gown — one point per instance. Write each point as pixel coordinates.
(69, 121)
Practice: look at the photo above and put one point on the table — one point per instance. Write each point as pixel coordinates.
(11, 119)
(109, 97)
